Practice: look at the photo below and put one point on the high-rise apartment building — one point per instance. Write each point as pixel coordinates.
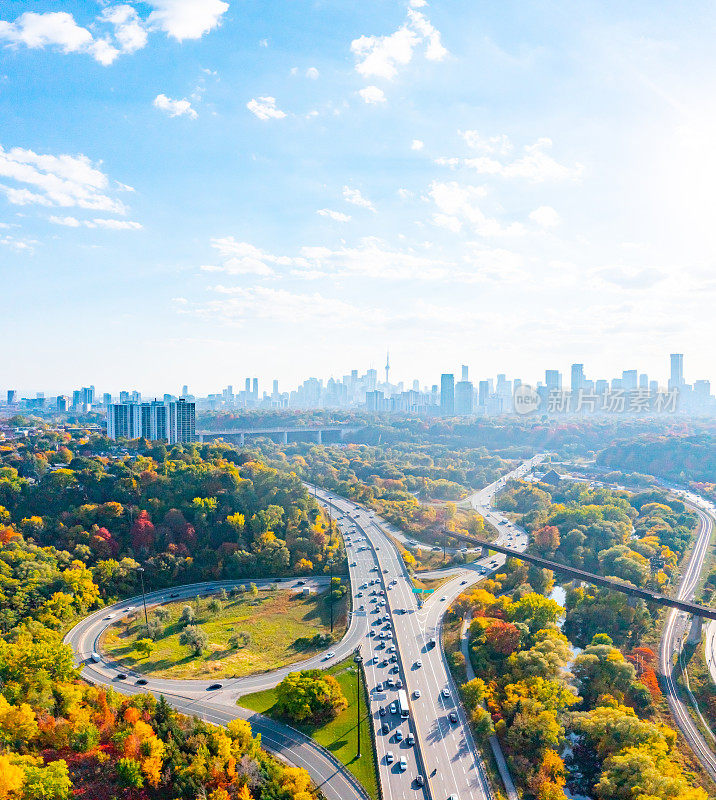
(173, 422)
(463, 376)
(447, 394)
(87, 395)
(181, 422)
(124, 421)
(63, 402)
(11, 397)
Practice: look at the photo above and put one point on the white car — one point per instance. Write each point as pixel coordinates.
(389, 757)
(403, 763)
(446, 692)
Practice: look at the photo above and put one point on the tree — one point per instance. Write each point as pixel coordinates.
(536, 610)
(130, 772)
(142, 532)
(11, 778)
(309, 695)
(546, 539)
(240, 639)
(187, 616)
(194, 638)
(602, 670)
(502, 637)
(144, 647)
(215, 605)
(482, 723)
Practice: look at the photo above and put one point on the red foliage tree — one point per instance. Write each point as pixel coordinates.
(547, 539)
(503, 637)
(142, 532)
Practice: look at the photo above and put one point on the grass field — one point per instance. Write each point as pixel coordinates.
(338, 735)
(273, 620)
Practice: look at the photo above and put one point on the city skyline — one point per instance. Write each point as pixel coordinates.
(494, 394)
(284, 189)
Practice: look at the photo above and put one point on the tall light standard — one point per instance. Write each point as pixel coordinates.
(330, 545)
(358, 658)
(144, 598)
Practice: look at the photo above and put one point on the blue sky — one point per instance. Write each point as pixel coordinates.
(193, 191)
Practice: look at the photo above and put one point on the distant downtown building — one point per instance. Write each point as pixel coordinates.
(173, 422)
(447, 394)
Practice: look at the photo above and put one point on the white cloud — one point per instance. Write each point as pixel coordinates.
(186, 19)
(110, 224)
(114, 224)
(129, 31)
(356, 198)
(62, 180)
(372, 94)
(336, 216)
(56, 29)
(69, 222)
(381, 56)
(265, 108)
(457, 205)
(546, 217)
(493, 144)
(535, 165)
(417, 144)
(312, 73)
(175, 108)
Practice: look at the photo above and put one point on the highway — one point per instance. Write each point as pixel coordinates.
(671, 640)
(445, 756)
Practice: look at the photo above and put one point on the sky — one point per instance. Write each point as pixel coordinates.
(196, 191)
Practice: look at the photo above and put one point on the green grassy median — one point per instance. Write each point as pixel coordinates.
(277, 625)
(339, 735)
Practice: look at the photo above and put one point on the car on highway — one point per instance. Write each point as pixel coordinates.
(121, 676)
(399, 735)
(393, 708)
(445, 692)
(328, 655)
(431, 643)
(452, 716)
(416, 694)
(385, 728)
(418, 664)
(410, 739)
(213, 687)
(403, 763)
(108, 617)
(382, 711)
(419, 780)
(389, 757)
(141, 682)
(94, 658)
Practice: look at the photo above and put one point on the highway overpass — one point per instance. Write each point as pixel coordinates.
(329, 434)
(590, 577)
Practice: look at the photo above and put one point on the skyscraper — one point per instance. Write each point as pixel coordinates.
(629, 379)
(387, 367)
(463, 376)
(577, 378)
(11, 397)
(677, 370)
(553, 379)
(181, 422)
(447, 394)
(464, 394)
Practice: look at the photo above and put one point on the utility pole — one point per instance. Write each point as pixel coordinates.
(330, 544)
(358, 658)
(144, 598)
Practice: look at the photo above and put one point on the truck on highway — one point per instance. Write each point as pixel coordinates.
(403, 706)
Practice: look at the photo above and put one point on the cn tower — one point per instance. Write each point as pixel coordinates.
(387, 367)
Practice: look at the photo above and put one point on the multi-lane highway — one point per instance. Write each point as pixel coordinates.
(672, 637)
(444, 756)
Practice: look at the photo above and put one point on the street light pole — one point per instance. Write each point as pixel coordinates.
(144, 598)
(330, 545)
(358, 658)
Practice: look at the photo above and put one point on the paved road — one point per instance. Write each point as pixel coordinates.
(393, 636)
(446, 756)
(673, 634)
